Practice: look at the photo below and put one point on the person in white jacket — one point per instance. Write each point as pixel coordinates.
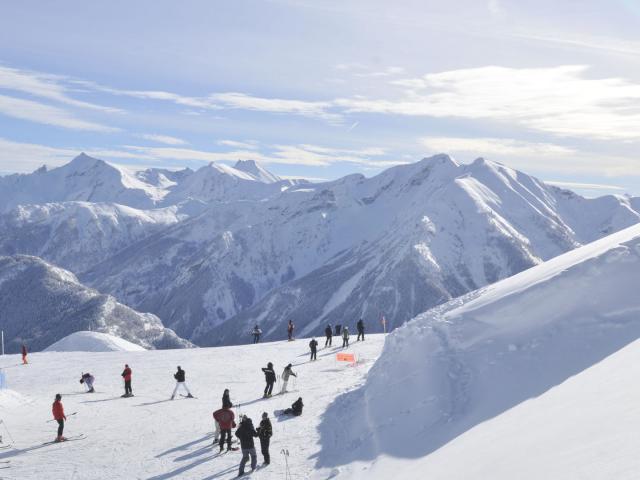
(286, 373)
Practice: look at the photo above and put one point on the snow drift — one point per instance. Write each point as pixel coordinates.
(93, 342)
(41, 303)
(474, 358)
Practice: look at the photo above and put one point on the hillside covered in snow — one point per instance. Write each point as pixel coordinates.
(531, 377)
(41, 304)
(84, 341)
(213, 252)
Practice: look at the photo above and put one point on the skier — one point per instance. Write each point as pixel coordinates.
(345, 337)
(290, 328)
(270, 378)
(286, 373)
(264, 434)
(24, 354)
(126, 375)
(338, 328)
(328, 332)
(296, 408)
(226, 401)
(88, 380)
(180, 382)
(313, 345)
(226, 419)
(256, 334)
(360, 327)
(245, 434)
(58, 414)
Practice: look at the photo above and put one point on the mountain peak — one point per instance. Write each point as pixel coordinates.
(85, 161)
(256, 170)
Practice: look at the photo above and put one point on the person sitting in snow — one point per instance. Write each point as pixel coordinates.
(296, 408)
(87, 379)
(180, 376)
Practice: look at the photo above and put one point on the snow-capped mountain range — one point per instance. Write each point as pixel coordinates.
(41, 304)
(215, 251)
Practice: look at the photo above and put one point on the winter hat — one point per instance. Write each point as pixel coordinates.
(265, 415)
(58, 396)
(270, 365)
(289, 366)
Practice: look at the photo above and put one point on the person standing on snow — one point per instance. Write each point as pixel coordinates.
(226, 400)
(329, 334)
(126, 375)
(360, 327)
(296, 408)
(58, 414)
(88, 380)
(256, 334)
(264, 434)
(290, 328)
(24, 354)
(180, 382)
(345, 337)
(270, 378)
(338, 328)
(245, 434)
(226, 419)
(286, 373)
(313, 345)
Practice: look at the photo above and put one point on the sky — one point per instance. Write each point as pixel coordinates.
(321, 89)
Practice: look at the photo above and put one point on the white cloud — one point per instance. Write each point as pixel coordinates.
(26, 157)
(493, 146)
(559, 100)
(42, 85)
(250, 144)
(277, 105)
(166, 139)
(46, 114)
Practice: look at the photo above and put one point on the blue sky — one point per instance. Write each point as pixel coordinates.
(325, 88)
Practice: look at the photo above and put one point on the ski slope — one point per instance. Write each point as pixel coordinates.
(149, 436)
(532, 377)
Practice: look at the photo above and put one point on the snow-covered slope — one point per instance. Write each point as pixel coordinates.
(150, 437)
(458, 368)
(41, 304)
(396, 244)
(93, 342)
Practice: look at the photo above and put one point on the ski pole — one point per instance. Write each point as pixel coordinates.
(70, 415)
(285, 453)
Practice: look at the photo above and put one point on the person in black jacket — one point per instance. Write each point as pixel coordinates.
(313, 345)
(245, 434)
(360, 327)
(328, 332)
(226, 401)
(270, 378)
(264, 434)
(180, 382)
(296, 408)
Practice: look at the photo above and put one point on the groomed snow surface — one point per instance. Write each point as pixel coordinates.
(150, 437)
(534, 377)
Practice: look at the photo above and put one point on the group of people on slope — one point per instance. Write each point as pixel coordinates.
(270, 379)
(328, 332)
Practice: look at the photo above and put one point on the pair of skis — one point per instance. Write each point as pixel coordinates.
(80, 436)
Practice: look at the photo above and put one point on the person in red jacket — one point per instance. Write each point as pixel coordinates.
(58, 414)
(226, 418)
(126, 374)
(24, 354)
